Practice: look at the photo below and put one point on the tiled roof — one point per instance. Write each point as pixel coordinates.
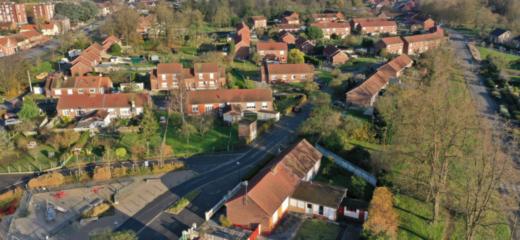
(7, 42)
(330, 51)
(439, 34)
(277, 181)
(92, 82)
(338, 15)
(230, 96)
(169, 68)
(258, 18)
(392, 40)
(101, 101)
(271, 45)
(283, 26)
(377, 23)
(331, 25)
(289, 68)
(322, 194)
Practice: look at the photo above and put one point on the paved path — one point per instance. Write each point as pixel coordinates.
(152, 223)
(488, 108)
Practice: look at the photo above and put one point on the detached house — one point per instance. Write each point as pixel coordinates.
(335, 56)
(169, 76)
(287, 37)
(259, 22)
(500, 36)
(328, 17)
(364, 96)
(374, 26)
(119, 105)
(272, 51)
(269, 194)
(57, 85)
(392, 45)
(287, 73)
(305, 45)
(223, 100)
(242, 41)
(340, 29)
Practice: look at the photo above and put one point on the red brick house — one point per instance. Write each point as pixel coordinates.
(8, 46)
(221, 100)
(272, 51)
(328, 17)
(259, 22)
(57, 85)
(109, 41)
(291, 18)
(13, 12)
(364, 96)
(202, 76)
(80, 68)
(417, 44)
(118, 105)
(242, 41)
(305, 45)
(392, 45)
(340, 29)
(286, 73)
(287, 37)
(43, 11)
(267, 198)
(374, 26)
(334, 55)
(29, 39)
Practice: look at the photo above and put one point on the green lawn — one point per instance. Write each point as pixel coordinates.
(485, 52)
(216, 140)
(324, 76)
(314, 229)
(360, 64)
(30, 160)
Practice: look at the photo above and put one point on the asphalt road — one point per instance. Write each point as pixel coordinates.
(153, 223)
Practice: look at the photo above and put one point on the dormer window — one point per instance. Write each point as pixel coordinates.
(211, 75)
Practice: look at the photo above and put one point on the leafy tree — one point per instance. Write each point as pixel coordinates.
(187, 130)
(124, 25)
(29, 110)
(383, 219)
(149, 124)
(296, 56)
(115, 50)
(314, 33)
(120, 153)
(223, 14)
(81, 12)
(314, 124)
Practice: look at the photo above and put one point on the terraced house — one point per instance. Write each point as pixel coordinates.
(374, 26)
(202, 76)
(119, 105)
(340, 29)
(272, 51)
(287, 73)
(57, 85)
(223, 100)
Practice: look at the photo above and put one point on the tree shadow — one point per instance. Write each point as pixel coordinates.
(414, 214)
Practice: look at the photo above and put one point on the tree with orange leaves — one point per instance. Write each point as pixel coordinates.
(383, 220)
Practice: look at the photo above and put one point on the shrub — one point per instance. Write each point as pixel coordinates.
(96, 211)
(47, 180)
(102, 174)
(182, 203)
(11, 194)
(224, 221)
(119, 172)
(167, 167)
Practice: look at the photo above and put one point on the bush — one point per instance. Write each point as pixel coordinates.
(47, 180)
(182, 203)
(119, 172)
(224, 221)
(102, 174)
(96, 211)
(167, 167)
(115, 49)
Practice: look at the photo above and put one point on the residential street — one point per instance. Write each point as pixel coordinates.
(152, 223)
(488, 109)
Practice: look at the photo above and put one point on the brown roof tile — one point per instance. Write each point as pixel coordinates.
(230, 96)
(392, 40)
(101, 101)
(289, 68)
(271, 45)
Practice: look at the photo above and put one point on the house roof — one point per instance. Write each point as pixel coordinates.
(331, 25)
(271, 45)
(92, 82)
(392, 40)
(169, 68)
(377, 22)
(301, 40)
(330, 51)
(289, 68)
(230, 96)
(274, 183)
(205, 67)
(100, 101)
(337, 15)
(28, 27)
(363, 94)
(318, 193)
(498, 31)
(286, 26)
(258, 18)
(439, 34)
(7, 42)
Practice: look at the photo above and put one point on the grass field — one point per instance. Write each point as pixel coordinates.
(360, 64)
(314, 229)
(485, 52)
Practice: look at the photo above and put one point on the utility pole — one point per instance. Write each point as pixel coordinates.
(29, 79)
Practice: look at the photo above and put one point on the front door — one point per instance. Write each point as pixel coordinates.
(308, 210)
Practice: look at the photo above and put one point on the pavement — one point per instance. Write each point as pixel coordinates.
(488, 109)
(153, 223)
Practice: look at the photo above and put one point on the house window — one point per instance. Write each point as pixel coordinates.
(208, 107)
(69, 91)
(282, 53)
(195, 108)
(80, 91)
(65, 112)
(163, 76)
(201, 75)
(164, 85)
(303, 77)
(57, 92)
(211, 76)
(124, 111)
(293, 77)
(251, 105)
(264, 105)
(174, 76)
(92, 90)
